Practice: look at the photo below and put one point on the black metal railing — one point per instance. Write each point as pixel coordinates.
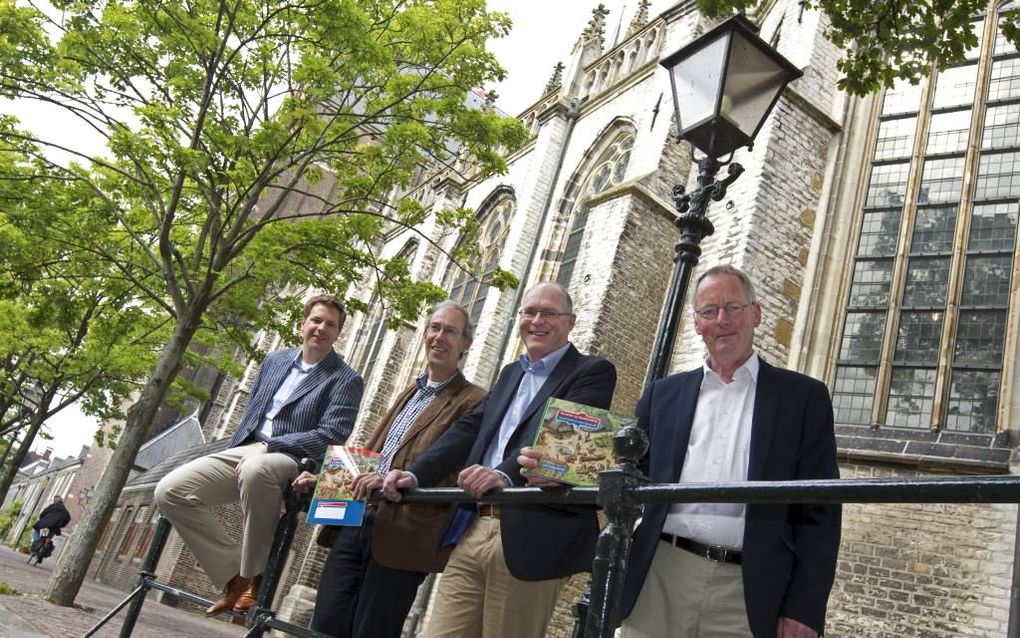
(621, 493)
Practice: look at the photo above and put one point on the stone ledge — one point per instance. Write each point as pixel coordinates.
(936, 451)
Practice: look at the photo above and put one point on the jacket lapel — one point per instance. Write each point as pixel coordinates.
(684, 404)
(502, 394)
(325, 368)
(763, 421)
(559, 373)
(435, 409)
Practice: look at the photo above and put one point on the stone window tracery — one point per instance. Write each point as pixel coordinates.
(494, 226)
(609, 169)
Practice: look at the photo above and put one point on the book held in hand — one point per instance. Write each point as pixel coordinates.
(333, 501)
(576, 442)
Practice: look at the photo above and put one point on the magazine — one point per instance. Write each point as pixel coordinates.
(332, 502)
(576, 442)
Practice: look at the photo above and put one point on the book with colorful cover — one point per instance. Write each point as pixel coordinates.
(333, 502)
(576, 442)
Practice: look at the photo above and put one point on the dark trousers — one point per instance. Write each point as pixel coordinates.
(358, 597)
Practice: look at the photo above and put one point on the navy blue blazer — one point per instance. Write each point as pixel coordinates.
(539, 542)
(789, 550)
(320, 412)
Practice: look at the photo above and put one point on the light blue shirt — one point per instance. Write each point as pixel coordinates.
(298, 373)
(535, 375)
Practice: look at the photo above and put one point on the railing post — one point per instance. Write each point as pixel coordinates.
(147, 573)
(617, 499)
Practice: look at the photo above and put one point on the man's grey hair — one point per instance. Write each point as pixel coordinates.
(726, 269)
(563, 291)
(469, 327)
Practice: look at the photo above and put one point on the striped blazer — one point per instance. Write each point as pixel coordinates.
(320, 412)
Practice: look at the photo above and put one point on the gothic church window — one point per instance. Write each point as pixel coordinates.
(924, 333)
(372, 332)
(608, 170)
(494, 224)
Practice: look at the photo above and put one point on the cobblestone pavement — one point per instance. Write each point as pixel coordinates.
(26, 615)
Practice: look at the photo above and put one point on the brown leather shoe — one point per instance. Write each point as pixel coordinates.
(234, 589)
(250, 595)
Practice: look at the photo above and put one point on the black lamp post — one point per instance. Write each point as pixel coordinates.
(725, 84)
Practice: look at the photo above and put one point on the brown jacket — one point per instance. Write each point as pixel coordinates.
(407, 536)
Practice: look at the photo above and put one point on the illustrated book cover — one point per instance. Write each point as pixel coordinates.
(333, 502)
(576, 442)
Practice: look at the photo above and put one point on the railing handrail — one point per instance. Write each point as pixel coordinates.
(999, 488)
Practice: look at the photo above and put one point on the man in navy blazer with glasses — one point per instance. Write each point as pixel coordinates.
(510, 563)
(303, 400)
(716, 570)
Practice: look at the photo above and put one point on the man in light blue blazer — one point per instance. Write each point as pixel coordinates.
(303, 400)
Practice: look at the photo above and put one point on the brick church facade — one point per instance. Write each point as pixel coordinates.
(881, 235)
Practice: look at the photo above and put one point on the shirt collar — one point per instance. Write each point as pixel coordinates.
(423, 384)
(547, 363)
(749, 368)
(301, 366)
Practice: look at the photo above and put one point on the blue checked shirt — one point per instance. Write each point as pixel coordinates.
(407, 417)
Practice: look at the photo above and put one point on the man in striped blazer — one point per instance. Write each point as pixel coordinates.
(303, 400)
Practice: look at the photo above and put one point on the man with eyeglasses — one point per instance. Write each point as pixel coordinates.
(372, 573)
(303, 399)
(730, 569)
(510, 563)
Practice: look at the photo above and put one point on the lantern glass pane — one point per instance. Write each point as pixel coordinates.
(752, 81)
(697, 80)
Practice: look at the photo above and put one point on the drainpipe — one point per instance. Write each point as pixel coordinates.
(1013, 629)
(573, 111)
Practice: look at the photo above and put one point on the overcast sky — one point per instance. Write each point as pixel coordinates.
(543, 33)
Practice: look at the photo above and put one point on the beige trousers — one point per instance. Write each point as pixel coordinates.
(478, 598)
(187, 495)
(688, 596)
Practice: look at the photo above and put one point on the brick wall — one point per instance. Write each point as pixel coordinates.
(924, 570)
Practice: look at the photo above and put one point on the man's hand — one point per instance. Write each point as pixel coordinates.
(478, 479)
(528, 459)
(790, 628)
(257, 450)
(304, 482)
(395, 481)
(365, 484)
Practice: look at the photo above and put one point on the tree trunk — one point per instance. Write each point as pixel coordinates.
(20, 451)
(71, 568)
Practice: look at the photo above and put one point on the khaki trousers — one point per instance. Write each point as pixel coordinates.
(688, 596)
(478, 598)
(187, 495)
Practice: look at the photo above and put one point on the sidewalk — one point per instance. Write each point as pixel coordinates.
(26, 615)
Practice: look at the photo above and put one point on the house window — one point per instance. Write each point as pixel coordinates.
(111, 526)
(145, 535)
(141, 514)
(924, 331)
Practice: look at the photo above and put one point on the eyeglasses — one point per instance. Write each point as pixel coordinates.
(436, 328)
(533, 313)
(731, 310)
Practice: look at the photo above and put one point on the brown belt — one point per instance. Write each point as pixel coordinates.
(488, 509)
(711, 552)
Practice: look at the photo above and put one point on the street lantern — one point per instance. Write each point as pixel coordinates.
(725, 84)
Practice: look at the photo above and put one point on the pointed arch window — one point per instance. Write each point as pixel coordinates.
(372, 331)
(608, 170)
(494, 225)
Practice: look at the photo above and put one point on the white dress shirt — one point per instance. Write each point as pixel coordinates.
(717, 452)
(298, 373)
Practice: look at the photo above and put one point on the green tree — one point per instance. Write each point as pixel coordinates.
(68, 333)
(883, 40)
(218, 118)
